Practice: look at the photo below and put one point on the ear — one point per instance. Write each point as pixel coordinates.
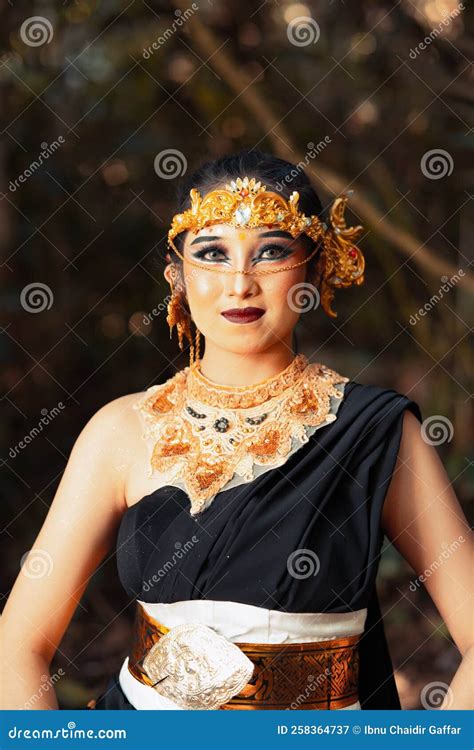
(174, 276)
(167, 273)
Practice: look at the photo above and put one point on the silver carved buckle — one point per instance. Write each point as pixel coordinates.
(196, 667)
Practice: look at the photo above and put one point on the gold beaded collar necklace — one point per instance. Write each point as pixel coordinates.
(203, 433)
(243, 397)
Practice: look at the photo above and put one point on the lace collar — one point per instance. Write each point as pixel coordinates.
(246, 396)
(204, 433)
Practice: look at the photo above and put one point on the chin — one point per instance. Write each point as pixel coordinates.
(248, 345)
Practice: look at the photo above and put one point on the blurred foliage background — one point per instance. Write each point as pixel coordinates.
(124, 98)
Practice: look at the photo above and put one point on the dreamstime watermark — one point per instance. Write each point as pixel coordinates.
(181, 18)
(47, 150)
(448, 550)
(163, 305)
(433, 695)
(313, 684)
(36, 31)
(447, 20)
(303, 297)
(436, 430)
(303, 31)
(36, 297)
(47, 682)
(47, 417)
(180, 551)
(156, 311)
(446, 286)
(170, 163)
(303, 563)
(436, 164)
(70, 732)
(314, 151)
(36, 563)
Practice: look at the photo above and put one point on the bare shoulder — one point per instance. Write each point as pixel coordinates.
(411, 424)
(110, 435)
(418, 481)
(118, 410)
(116, 420)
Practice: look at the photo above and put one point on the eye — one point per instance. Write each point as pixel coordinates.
(218, 252)
(206, 252)
(275, 252)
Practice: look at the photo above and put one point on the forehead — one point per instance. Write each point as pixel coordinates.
(228, 232)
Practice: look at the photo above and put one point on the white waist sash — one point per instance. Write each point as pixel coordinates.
(241, 623)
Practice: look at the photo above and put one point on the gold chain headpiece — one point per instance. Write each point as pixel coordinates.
(247, 203)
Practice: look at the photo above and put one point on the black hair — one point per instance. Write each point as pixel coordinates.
(276, 174)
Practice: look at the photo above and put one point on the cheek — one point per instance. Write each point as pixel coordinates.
(201, 288)
(282, 289)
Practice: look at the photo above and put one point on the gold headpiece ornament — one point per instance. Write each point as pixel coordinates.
(247, 203)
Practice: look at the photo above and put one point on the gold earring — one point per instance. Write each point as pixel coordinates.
(178, 316)
(194, 355)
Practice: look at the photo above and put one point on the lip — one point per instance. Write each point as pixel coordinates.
(243, 314)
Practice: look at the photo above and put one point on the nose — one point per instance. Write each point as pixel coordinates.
(240, 284)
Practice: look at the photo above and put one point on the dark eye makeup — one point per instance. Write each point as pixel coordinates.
(281, 251)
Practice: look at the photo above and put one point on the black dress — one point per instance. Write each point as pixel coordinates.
(327, 497)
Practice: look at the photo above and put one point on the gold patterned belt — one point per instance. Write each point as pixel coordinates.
(197, 668)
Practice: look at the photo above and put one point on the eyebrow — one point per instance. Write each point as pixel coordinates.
(274, 233)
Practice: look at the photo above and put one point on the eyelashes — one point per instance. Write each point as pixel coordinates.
(207, 249)
(283, 252)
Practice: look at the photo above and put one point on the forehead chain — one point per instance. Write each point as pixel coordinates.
(259, 273)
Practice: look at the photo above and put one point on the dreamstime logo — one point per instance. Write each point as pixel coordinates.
(302, 297)
(162, 306)
(448, 550)
(148, 317)
(36, 297)
(313, 684)
(302, 31)
(314, 149)
(170, 163)
(70, 731)
(447, 20)
(36, 563)
(36, 31)
(181, 551)
(180, 19)
(46, 418)
(47, 149)
(446, 286)
(303, 563)
(437, 429)
(47, 682)
(433, 695)
(436, 164)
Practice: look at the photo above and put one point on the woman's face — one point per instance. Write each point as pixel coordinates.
(275, 295)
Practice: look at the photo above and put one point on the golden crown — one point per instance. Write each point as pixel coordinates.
(247, 203)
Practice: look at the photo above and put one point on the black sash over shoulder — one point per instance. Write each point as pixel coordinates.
(254, 543)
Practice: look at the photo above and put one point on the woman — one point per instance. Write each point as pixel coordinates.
(251, 491)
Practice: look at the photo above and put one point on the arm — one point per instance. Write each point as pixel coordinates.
(78, 532)
(422, 518)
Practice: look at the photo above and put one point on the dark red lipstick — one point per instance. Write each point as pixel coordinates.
(243, 314)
